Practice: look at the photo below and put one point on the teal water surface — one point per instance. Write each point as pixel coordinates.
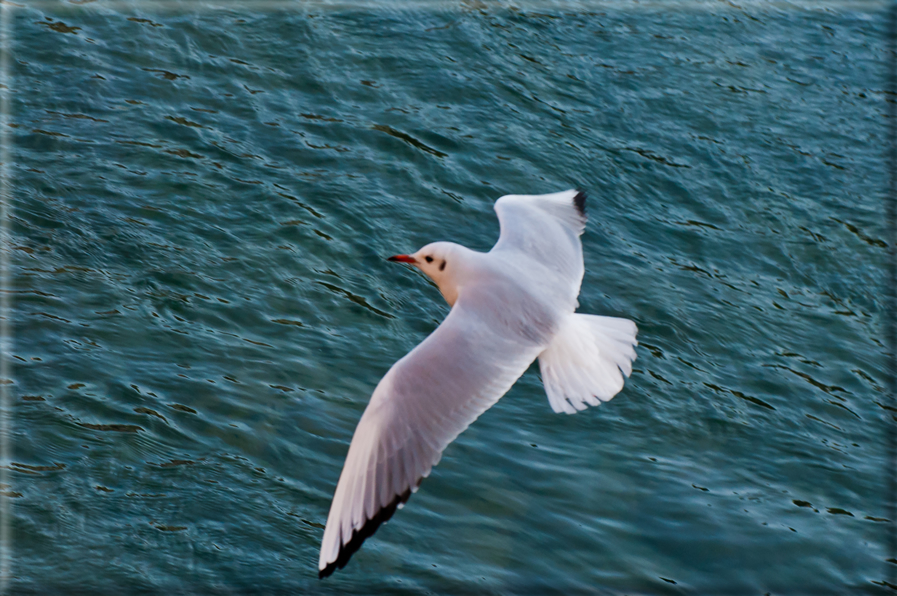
(204, 199)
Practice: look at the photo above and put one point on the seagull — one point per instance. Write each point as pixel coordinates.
(509, 307)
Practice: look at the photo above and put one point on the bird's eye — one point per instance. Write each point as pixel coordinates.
(428, 259)
(442, 266)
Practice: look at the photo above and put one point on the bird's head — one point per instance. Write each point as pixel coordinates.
(439, 262)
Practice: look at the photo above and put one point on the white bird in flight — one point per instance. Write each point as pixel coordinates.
(509, 306)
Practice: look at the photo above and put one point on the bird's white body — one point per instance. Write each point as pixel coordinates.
(510, 306)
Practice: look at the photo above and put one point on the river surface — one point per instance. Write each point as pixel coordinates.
(204, 198)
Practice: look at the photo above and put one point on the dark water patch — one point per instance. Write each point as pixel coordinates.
(749, 398)
(58, 26)
(800, 503)
(34, 292)
(739, 89)
(699, 224)
(288, 322)
(54, 468)
(166, 528)
(862, 236)
(138, 144)
(659, 377)
(300, 203)
(118, 428)
(337, 148)
(689, 364)
(50, 133)
(185, 153)
(843, 407)
(313, 524)
(691, 267)
(655, 351)
(184, 122)
(77, 117)
(830, 389)
(812, 417)
(408, 139)
(182, 408)
(320, 118)
(754, 400)
(175, 463)
(25, 471)
(151, 412)
(170, 76)
(356, 299)
(647, 154)
(145, 22)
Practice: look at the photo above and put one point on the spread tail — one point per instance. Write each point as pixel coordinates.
(586, 361)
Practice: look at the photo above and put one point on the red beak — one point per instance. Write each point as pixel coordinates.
(402, 259)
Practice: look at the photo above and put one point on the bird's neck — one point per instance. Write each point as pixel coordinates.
(465, 265)
(449, 291)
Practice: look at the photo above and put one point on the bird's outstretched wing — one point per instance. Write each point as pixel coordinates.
(425, 400)
(545, 229)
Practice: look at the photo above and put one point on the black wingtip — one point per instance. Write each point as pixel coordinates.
(580, 202)
(362, 534)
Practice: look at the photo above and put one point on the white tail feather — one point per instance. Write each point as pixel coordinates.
(587, 360)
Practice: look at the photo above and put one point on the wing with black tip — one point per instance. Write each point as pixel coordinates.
(425, 400)
(545, 229)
